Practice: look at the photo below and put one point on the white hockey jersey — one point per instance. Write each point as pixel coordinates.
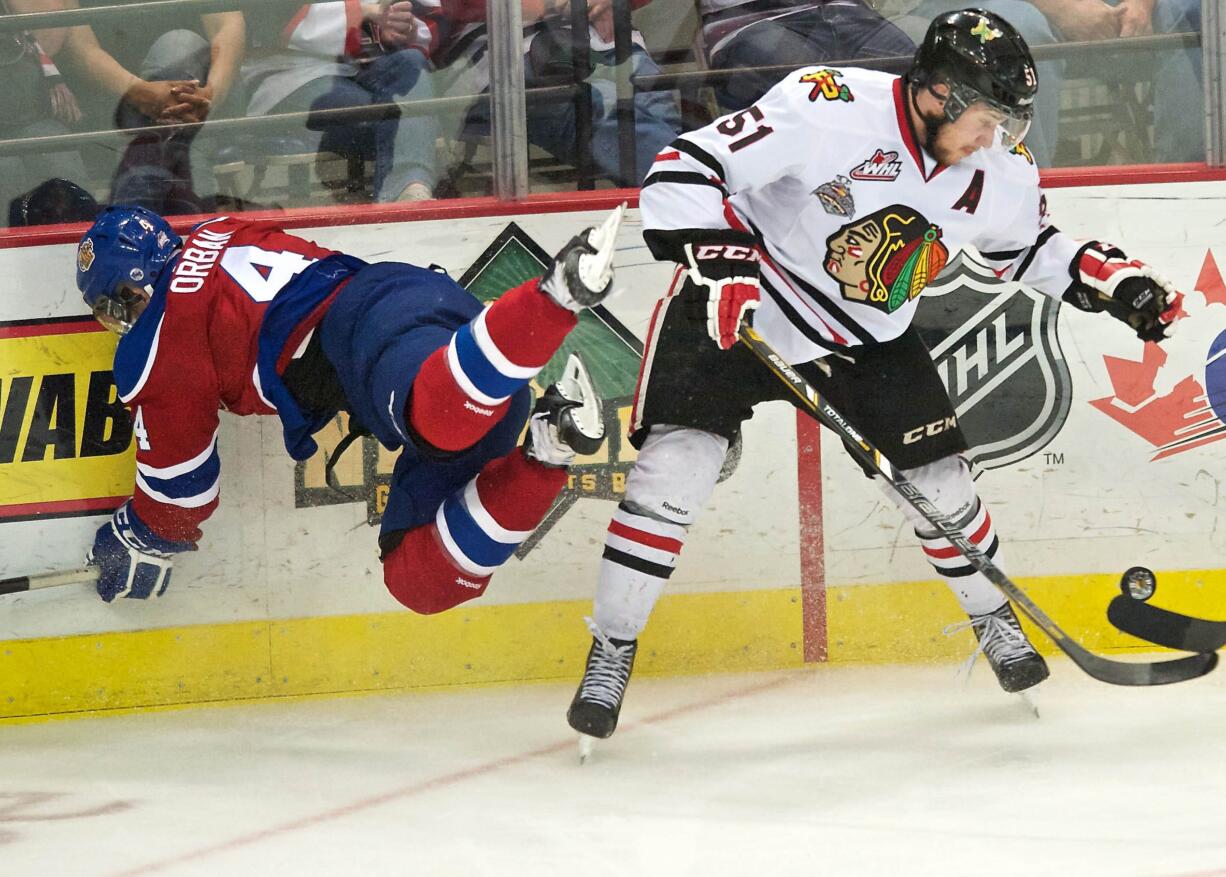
(853, 217)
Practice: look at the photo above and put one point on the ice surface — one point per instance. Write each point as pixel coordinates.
(830, 771)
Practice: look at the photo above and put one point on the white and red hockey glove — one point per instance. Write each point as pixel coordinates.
(729, 273)
(1105, 279)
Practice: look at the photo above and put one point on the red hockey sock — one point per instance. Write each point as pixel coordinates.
(528, 326)
(463, 389)
(433, 570)
(443, 414)
(518, 491)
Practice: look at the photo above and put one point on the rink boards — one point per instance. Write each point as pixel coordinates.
(1098, 452)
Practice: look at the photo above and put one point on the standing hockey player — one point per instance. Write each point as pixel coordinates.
(245, 317)
(840, 195)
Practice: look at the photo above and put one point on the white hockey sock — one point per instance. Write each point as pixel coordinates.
(666, 490)
(976, 594)
(947, 484)
(640, 554)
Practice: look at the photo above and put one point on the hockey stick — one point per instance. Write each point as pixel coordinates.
(1103, 669)
(20, 584)
(1165, 628)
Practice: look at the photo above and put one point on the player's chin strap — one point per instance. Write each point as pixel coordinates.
(932, 124)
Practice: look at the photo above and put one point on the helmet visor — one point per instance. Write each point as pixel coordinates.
(1012, 123)
(118, 312)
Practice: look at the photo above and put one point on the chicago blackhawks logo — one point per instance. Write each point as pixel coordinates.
(1025, 153)
(826, 84)
(887, 258)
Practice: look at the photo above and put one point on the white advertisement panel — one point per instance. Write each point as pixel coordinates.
(284, 545)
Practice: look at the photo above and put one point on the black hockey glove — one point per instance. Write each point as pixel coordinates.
(728, 270)
(1105, 279)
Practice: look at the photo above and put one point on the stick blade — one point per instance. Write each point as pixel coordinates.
(1165, 628)
(1150, 673)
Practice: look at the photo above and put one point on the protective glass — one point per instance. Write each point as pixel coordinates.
(1012, 122)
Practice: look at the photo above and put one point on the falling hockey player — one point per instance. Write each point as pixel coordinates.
(840, 195)
(244, 317)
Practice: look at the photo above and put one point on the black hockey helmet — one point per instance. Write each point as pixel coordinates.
(981, 58)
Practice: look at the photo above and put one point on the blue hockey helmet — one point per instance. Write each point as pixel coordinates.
(118, 260)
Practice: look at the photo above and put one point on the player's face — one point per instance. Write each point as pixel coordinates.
(120, 311)
(977, 128)
(849, 250)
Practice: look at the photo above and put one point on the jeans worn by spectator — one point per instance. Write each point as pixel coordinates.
(551, 124)
(402, 147)
(835, 31)
(1178, 94)
(168, 174)
(1177, 91)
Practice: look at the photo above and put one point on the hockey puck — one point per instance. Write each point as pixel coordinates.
(1138, 583)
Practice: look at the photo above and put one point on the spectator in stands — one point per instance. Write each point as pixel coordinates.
(548, 41)
(1179, 132)
(1179, 119)
(52, 202)
(335, 55)
(914, 16)
(750, 34)
(1190, 9)
(151, 69)
(34, 102)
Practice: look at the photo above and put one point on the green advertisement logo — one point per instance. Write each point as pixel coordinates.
(612, 355)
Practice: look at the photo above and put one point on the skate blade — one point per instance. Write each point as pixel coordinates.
(586, 745)
(596, 269)
(1029, 701)
(576, 385)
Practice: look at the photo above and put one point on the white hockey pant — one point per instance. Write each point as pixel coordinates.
(947, 483)
(666, 490)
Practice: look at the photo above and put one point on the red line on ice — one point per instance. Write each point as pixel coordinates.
(440, 782)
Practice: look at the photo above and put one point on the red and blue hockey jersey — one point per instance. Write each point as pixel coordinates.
(203, 344)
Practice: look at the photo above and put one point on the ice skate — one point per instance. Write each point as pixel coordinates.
(1013, 659)
(582, 272)
(598, 701)
(568, 419)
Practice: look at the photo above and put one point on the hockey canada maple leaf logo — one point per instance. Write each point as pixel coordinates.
(1176, 400)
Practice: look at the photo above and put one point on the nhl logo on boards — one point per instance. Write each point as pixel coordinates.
(995, 346)
(883, 167)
